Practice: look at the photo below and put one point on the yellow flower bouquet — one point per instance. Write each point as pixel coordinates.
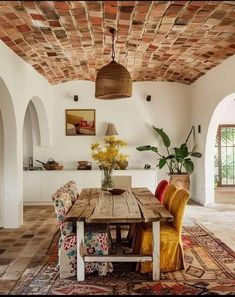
(107, 155)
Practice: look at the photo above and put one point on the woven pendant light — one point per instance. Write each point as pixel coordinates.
(113, 81)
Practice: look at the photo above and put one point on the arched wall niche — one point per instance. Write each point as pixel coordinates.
(27, 137)
(40, 121)
(35, 129)
(31, 133)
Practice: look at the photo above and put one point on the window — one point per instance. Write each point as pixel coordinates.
(225, 156)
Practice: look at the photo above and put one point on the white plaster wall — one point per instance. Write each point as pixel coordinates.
(1, 170)
(206, 94)
(23, 83)
(228, 117)
(133, 118)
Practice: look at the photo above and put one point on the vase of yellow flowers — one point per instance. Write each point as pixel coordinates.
(107, 178)
(107, 155)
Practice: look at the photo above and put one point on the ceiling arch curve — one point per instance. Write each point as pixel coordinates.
(176, 41)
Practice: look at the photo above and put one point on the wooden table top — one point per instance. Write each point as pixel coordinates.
(134, 206)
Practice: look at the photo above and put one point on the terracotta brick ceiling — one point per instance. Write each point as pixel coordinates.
(156, 40)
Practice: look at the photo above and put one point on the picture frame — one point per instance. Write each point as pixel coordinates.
(80, 122)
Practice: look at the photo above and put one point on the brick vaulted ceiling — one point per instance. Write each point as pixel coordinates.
(156, 40)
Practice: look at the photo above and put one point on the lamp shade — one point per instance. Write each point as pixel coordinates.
(111, 130)
(113, 81)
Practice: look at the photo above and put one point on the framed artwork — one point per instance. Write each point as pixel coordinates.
(80, 122)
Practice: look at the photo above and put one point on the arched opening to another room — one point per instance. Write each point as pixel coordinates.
(1, 169)
(10, 183)
(224, 113)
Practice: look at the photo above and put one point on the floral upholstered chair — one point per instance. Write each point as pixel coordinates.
(72, 189)
(96, 241)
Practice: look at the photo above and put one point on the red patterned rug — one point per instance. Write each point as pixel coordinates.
(210, 269)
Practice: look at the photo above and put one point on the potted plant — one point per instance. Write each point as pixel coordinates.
(178, 160)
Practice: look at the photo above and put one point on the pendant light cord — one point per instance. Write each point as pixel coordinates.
(113, 51)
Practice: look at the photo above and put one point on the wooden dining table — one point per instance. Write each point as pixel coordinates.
(135, 205)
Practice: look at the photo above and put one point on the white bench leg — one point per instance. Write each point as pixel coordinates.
(156, 250)
(80, 252)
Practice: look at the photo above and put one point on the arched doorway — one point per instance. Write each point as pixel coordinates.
(1, 169)
(218, 114)
(11, 184)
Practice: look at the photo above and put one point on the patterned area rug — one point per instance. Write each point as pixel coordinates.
(210, 269)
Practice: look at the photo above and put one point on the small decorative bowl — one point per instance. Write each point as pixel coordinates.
(117, 191)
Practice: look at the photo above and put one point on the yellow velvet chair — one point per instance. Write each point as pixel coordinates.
(171, 248)
(169, 194)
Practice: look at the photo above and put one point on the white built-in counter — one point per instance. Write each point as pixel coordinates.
(40, 185)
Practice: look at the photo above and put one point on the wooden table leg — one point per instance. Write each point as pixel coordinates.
(80, 252)
(156, 250)
(118, 239)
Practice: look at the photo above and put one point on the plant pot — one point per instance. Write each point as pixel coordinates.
(182, 181)
(122, 165)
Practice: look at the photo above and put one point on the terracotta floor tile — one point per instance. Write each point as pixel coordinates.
(3, 268)
(19, 244)
(28, 236)
(11, 275)
(8, 240)
(5, 245)
(35, 264)
(5, 261)
(6, 286)
(14, 249)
